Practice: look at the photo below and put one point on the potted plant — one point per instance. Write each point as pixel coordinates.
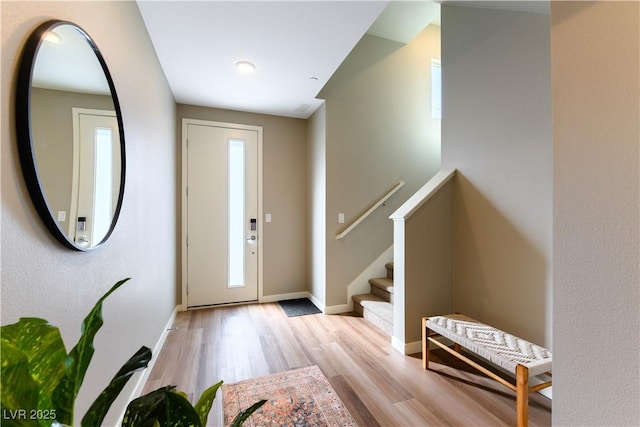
(40, 381)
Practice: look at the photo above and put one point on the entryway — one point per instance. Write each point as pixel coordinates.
(221, 212)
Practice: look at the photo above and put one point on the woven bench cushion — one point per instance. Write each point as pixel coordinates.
(505, 350)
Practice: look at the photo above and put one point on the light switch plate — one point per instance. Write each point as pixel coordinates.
(62, 215)
(341, 218)
(267, 217)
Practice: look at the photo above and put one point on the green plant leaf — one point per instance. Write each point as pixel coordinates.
(243, 415)
(165, 407)
(19, 391)
(78, 360)
(39, 370)
(143, 411)
(179, 412)
(98, 409)
(203, 405)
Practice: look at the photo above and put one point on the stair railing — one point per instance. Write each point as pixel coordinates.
(375, 206)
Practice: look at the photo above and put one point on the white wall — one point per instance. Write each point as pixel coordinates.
(379, 132)
(596, 211)
(42, 278)
(496, 131)
(317, 180)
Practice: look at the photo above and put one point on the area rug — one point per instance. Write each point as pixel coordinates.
(298, 307)
(301, 397)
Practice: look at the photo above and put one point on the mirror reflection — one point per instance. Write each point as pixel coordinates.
(75, 136)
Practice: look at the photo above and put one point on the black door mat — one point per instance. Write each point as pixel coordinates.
(298, 307)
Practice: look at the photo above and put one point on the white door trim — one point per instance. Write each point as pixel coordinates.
(184, 221)
(76, 112)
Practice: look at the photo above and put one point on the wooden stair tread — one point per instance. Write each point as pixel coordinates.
(366, 297)
(375, 304)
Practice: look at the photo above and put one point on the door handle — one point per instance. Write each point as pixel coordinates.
(252, 238)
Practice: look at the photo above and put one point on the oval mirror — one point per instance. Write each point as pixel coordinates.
(70, 135)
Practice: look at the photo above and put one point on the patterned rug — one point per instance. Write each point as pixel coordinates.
(301, 397)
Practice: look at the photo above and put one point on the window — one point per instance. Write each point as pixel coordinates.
(436, 89)
(103, 184)
(236, 213)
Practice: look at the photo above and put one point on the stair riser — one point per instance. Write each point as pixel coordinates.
(377, 321)
(358, 310)
(377, 312)
(381, 293)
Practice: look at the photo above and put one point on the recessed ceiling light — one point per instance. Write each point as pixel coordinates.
(245, 67)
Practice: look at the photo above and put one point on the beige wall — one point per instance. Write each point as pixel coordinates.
(496, 131)
(317, 255)
(596, 213)
(284, 184)
(42, 278)
(53, 141)
(379, 132)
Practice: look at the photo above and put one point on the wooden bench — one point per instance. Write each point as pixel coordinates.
(514, 354)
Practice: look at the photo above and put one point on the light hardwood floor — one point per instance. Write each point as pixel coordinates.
(379, 386)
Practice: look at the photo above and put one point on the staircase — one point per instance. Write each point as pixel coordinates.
(377, 307)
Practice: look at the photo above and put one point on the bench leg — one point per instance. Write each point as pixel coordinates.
(522, 395)
(425, 344)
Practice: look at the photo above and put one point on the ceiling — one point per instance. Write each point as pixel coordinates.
(296, 46)
(67, 62)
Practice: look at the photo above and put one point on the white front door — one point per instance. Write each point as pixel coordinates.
(96, 175)
(222, 223)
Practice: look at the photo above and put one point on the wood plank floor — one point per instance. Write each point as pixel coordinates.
(379, 386)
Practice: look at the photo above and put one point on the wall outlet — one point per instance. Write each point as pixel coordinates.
(62, 215)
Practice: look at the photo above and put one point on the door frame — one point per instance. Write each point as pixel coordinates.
(76, 112)
(184, 220)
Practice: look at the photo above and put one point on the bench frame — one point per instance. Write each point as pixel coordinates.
(521, 386)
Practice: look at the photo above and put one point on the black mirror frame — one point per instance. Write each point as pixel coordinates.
(25, 139)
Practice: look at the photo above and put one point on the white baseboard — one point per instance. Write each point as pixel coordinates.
(413, 347)
(332, 309)
(316, 302)
(547, 392)
(406, 348)
(283, 297)
(398, 345)
(296, 295)
(360, 285)
(338, 309)
(142, 379)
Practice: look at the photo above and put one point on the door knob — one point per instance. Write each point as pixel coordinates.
(251, 238)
